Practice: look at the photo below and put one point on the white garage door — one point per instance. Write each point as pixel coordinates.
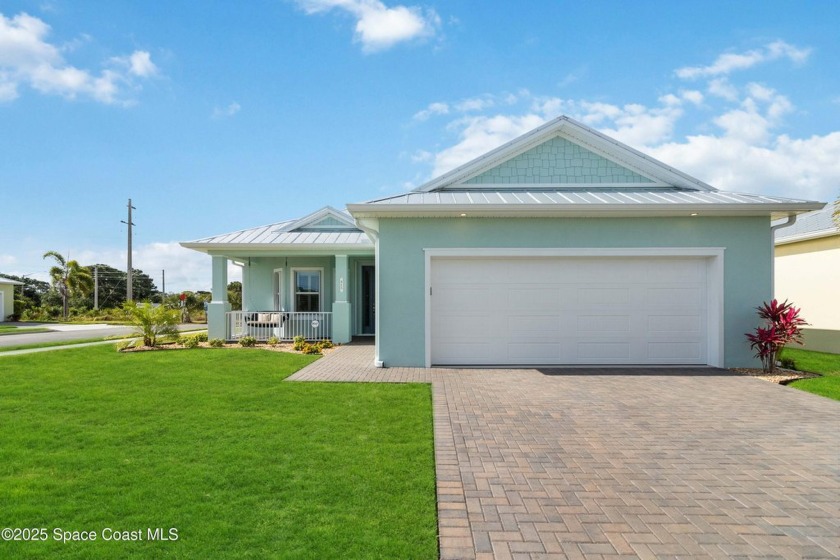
(569, 310)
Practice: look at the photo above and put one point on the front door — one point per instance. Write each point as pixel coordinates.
(368, 299)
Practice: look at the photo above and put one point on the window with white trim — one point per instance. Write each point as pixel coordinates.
(307, 290)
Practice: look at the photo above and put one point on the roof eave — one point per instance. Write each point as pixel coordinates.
(319, 248)
(583, 211)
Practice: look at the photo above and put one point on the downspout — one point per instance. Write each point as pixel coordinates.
(791, 219)
(371, 228)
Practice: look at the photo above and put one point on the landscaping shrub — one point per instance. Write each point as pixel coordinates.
(298, 343)
(310, 349)
(190, 342)
(217, 342)
(248, 341)
(325, 344)
(273, 341)
(152, 323)
(783, 325)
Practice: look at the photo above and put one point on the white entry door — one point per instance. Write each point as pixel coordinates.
(569, 310)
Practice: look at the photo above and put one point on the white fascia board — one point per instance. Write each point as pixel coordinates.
(572, 211)
(246, 249)
(511, 252)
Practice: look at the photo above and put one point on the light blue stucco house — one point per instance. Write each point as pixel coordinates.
(561, 247)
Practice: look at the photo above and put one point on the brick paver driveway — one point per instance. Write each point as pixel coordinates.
(624, 463)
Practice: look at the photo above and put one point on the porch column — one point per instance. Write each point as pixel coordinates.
(342, 328)
(216, 309)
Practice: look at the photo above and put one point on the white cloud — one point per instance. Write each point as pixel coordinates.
(230, 110)
(8, 260)
(730, 62)
(798, 168)
(379, 27)
(140, 64)
(28, 59)
(432, 109)
(721, 88)
(692, 96)
(422, 156)
(475, 104)
(480, 135)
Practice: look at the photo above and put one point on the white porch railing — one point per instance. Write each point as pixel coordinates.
(284, 325)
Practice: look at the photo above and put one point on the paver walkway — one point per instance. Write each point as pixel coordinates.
(630, 463)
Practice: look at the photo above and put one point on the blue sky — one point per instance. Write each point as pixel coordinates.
(222, 116)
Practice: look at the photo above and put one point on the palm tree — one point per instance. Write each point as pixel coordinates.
(69, 278)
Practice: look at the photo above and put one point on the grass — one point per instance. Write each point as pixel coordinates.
(817, 362)
(213, 443)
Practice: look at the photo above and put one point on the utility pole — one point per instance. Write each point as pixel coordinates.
(129, 289)
(163, 286)
(96, 286)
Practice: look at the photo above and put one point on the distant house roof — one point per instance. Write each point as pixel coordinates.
(812, 225)
(565, 168)
(327, 228)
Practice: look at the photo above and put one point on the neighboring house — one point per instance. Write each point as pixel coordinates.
(560, 247)
(807, 272)
(7, 297)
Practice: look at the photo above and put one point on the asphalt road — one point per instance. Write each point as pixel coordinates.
(73, 332)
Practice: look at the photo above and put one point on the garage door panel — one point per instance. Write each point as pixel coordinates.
(670, 297)
(602, 352)
(465, 353)
(534, 353)
(603, 296)
(569, 310)
(603, 323)
(675, 324)
(522, 328)
(536, 298)
(669, 352)
(463, 297)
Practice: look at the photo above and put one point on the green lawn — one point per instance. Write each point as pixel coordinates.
(213, 443)
(818, 362)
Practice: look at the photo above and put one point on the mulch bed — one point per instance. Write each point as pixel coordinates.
(781, 376)
(281, 347)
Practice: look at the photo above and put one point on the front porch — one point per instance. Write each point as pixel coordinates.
(313, 277)
(316, 296)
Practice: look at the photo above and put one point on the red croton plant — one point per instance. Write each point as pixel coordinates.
(783, 326)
